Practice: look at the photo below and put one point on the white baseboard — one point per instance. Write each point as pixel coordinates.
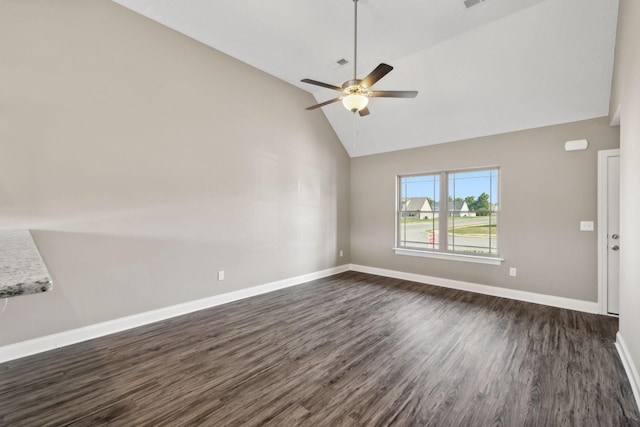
(50, 342)
(554, 301)
(629, 367)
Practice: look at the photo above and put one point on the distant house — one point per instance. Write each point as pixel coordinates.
(457, 208)
(416, 207)
(419, 207)
(460, 208)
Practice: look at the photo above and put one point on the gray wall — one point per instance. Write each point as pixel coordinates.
(545, 193)
(626, 93)
(146, 162)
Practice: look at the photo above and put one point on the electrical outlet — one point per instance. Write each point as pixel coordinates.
(341, 252)
(221, 275)
(512, 272)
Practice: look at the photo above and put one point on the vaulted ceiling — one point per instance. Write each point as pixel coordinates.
(499, 66)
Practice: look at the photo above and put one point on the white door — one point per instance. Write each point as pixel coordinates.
(609, 231)
(613, 234)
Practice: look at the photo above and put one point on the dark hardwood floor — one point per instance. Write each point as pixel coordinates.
(352, 349)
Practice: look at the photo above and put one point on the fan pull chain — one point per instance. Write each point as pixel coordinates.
(356, 129)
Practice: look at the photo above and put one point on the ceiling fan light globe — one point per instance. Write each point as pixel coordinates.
(355, 102)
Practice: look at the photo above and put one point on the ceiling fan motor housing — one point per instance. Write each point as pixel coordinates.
(351, 87)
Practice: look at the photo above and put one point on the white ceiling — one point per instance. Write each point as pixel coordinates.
(500, 66)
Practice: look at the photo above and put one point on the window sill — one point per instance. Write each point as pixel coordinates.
(449, 256)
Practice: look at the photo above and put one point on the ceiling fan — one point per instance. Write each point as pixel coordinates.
(356, 93)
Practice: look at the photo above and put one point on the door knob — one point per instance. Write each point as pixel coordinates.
(615, 236)
(615, 248)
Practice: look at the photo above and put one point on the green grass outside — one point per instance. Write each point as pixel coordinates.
(488, 229)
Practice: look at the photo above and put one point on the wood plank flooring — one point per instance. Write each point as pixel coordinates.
(352, 349)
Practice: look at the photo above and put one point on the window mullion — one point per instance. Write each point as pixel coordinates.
(399, 194)
(444, 211)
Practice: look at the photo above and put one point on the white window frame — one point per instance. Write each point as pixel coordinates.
(443, 216)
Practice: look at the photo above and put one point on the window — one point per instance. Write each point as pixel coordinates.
(469, 215)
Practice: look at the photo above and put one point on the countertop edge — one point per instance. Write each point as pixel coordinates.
(18, 289)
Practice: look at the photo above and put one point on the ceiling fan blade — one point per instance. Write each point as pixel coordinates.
(317, 83)
(322, 104)
(380, 71)
(394, 93)
(364, 112)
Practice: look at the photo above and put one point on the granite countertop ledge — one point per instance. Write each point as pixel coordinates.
(22, 271)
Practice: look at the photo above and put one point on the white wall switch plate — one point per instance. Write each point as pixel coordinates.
(512, 272)
(220, 275)
(586, 225)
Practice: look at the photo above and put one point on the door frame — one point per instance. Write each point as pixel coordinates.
(603, 214)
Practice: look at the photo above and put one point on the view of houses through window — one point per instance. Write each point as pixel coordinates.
(470, 214)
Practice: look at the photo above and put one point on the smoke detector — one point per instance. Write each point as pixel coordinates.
(471, 3)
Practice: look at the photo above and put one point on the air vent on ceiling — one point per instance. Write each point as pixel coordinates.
(338, 64)
(471, 3)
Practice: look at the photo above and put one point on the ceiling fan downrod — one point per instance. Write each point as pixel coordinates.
(355, 39)
(356, 98)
